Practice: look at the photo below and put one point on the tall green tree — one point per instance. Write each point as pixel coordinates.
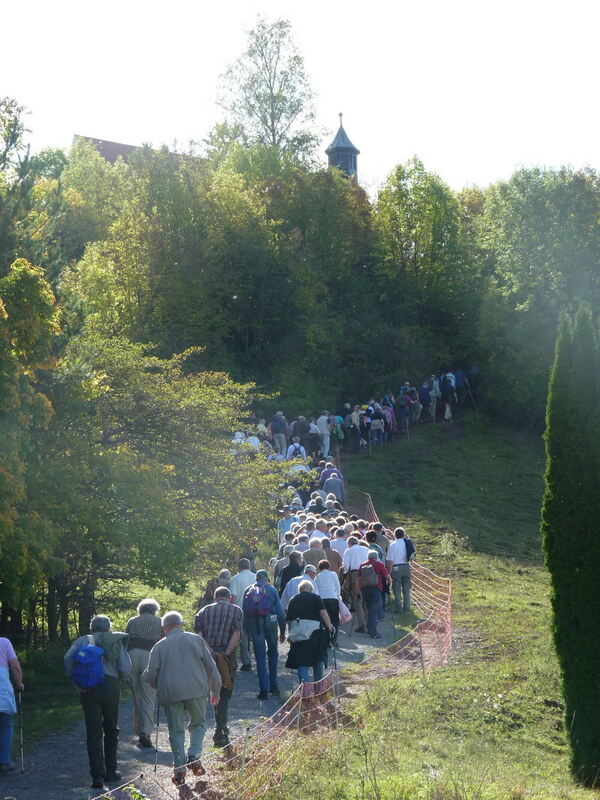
(29, 323)
(136, 472)
(570, 519)
(266, 94)
(425, 272)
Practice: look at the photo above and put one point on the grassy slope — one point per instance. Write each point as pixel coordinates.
(490, 724)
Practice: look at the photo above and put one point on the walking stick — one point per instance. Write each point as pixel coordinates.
(156, 739)
(21, 732)
(407, 431)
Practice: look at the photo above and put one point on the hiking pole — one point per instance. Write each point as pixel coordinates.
(21, 732)
(407, 432)
(156, 739)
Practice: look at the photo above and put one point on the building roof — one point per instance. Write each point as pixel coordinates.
(341, 141)
(109, 150)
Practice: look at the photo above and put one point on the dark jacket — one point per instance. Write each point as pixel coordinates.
(291, 571)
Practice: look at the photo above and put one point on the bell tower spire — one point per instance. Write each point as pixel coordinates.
(342, 153)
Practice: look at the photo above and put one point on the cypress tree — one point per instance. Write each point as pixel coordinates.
(571, 535)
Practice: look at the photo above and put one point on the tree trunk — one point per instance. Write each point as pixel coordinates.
(52, 610)
(63, 606)
(87, 605)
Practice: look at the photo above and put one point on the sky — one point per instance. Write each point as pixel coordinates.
(475, 89)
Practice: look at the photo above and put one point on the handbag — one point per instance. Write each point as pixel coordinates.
(345, 615)
(302, 629)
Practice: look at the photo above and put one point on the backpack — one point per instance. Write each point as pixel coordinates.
(256, 602)
(88, 670)
(297, 452)
(368, 576)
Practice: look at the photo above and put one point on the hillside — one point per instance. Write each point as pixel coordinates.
(489, 725)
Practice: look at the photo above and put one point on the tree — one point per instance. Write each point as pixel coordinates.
(425, 271)
(570, 518)
(136, 473)
(538, 240)
(267, 94)
(29, 323)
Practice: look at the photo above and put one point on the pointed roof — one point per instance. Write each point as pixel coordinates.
(341, 141)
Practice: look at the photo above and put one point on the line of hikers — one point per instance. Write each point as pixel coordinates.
(372, 423)
(330, 568)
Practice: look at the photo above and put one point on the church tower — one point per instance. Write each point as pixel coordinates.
(342, 153)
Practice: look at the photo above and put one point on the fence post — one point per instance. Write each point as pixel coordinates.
(421, 655)
(243, 761)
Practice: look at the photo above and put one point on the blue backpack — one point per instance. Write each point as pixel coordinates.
(256, 602)
(88, 671)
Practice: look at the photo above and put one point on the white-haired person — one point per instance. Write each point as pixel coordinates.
(308, 629)
(183, 671)
(144, 630)
(100, 698)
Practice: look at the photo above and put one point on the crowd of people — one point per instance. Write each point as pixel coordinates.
(329, 568)
(369, 424)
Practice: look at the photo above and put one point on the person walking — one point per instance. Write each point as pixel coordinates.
(314, 554)
(308, 623)
(263, 612)
(9, 665)
(335, 485)
(372, 576)
(293, 569)
(332, 556)
(220, 625)
(280, 431)
(100, 702)
(295, 450)
(328, 586)
(291, 589)
(353, 557)
(324, 426)
(183, 671)
(280, 564)
(285, 523)
(398, 557)
(144, 631)
(238, 585)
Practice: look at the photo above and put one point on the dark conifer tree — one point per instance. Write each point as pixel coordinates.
(571, 539)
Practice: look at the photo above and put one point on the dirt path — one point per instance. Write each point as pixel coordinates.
(56, 767)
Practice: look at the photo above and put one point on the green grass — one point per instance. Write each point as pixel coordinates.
(489, 726)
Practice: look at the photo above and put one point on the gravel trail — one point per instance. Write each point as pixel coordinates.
(56, 767)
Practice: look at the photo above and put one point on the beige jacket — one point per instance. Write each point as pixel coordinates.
(182, 668)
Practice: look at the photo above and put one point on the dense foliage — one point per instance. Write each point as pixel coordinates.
(570, 514)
